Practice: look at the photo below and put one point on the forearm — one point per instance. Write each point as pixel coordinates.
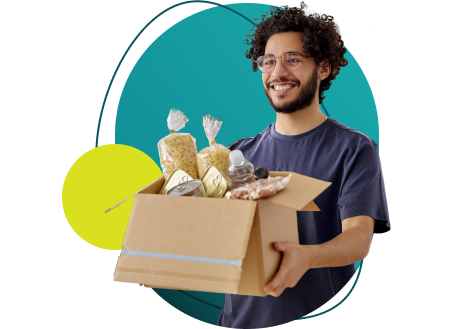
(349, 247)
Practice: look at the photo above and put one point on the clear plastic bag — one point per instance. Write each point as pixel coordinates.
(262, 188)
(215, 155)
(178, 150)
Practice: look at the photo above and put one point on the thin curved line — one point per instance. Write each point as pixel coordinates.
(311, 316)
(200, 300)
(104, 103)
(344, 298)
(137, 36)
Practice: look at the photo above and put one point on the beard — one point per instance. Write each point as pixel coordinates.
(304, 99)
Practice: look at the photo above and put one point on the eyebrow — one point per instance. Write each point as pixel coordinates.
(287, 52)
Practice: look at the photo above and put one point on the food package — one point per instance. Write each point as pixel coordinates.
(261, 188)
(214, 155)
(178, 150)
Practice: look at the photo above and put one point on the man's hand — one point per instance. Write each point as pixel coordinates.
(295, 262)
(350, 246)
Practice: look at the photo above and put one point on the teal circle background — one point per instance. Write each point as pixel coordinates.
(198, 66)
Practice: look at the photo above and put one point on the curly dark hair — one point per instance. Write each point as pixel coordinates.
(320, 36)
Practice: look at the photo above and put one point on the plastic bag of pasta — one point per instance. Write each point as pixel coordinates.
(178, 150)
(214, 155)
(262, 188)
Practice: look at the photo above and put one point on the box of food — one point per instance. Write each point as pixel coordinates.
(211, 244)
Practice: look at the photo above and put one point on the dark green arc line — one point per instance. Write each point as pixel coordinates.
(200, 300)
(144, 28)
(136, 38)
(344, 298)
(305, 317)
(109, 88)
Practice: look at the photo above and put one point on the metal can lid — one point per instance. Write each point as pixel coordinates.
(177, 177)
(261, 172)
(215, 183)
(186, 188)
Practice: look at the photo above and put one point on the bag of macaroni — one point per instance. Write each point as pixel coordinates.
(214, 155)
(178, 150)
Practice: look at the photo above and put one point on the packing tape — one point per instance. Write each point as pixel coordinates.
(180, 257)
(193, 276)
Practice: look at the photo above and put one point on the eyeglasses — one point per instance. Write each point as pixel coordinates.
(291, 62)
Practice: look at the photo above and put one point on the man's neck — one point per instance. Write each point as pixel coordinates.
(299, 122)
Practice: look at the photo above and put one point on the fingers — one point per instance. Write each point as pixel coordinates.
(277, 289)
(275, 293)
(144, 285)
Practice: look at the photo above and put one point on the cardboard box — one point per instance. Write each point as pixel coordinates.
(208, 244)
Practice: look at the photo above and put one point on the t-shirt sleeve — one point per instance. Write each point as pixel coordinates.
(237, 145)
(363, 190)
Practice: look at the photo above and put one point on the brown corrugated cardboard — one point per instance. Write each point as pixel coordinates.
(209, 244)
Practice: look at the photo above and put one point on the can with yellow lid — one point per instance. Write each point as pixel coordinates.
(215, 183)
(177, 177)
(191, 188)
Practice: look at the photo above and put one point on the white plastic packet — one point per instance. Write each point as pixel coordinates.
(262, 188)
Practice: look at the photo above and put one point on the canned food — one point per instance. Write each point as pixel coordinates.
(215, 183)
(191, 188)
(177, 177)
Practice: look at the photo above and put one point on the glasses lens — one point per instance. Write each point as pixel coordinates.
(291, 61)
(266, 63)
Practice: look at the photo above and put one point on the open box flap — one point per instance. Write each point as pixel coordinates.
(300, 192)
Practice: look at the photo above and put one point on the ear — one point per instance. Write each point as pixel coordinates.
(324, 69)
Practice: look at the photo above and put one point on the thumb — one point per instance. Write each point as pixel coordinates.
(280, 246)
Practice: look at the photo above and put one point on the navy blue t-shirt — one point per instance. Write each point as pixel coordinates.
(330, 152)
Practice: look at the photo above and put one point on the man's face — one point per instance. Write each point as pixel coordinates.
(302, 82)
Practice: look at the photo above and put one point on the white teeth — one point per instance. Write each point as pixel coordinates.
(284, 87)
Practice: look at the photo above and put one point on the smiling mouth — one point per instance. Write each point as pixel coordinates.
(291, 86)
(282, 91)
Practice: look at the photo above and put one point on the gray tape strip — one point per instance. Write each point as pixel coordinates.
(179, 257)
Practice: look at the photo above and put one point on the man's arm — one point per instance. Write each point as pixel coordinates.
(350, 246)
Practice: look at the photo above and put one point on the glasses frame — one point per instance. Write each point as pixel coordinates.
(283, 63)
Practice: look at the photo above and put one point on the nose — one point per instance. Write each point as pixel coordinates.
(279, 69)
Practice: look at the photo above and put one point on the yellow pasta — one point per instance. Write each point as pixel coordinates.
(216, 156)
(178, 151)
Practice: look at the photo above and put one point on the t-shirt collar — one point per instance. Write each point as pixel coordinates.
(287, 139)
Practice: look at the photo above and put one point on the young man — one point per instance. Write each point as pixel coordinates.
(299, 56)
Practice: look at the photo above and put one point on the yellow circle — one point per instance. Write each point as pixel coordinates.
(100, 179)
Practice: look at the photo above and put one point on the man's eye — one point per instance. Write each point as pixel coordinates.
(293, 60)
(269, 63)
